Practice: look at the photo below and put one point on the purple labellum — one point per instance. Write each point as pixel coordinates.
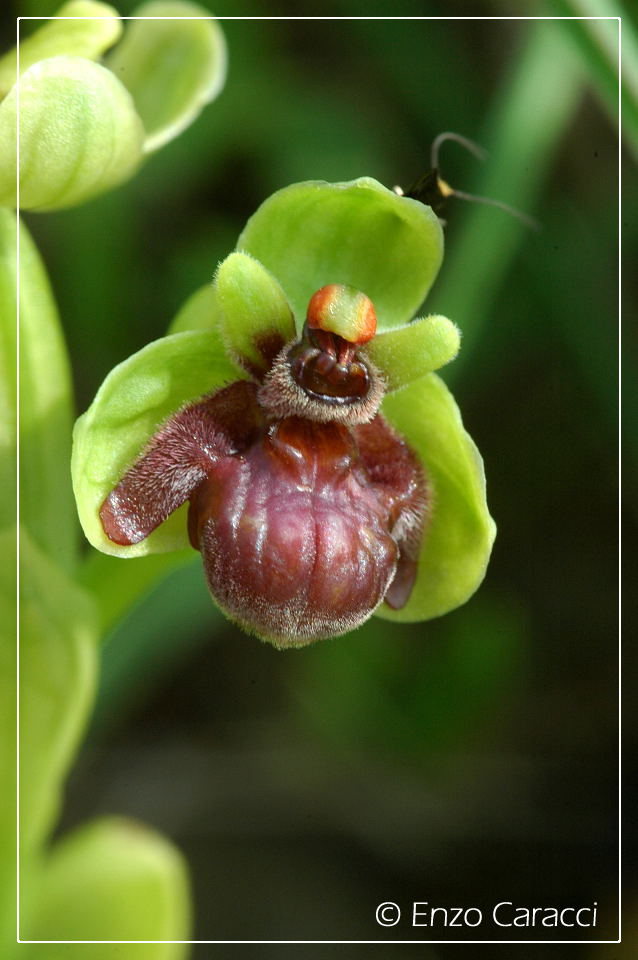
(306, 505)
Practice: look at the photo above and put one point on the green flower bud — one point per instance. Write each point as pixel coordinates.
(79, 134)
(114, 879)
(84, 128)
(94, 28)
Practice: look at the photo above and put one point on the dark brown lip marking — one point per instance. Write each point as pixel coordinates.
(327, 367)
(268, 345)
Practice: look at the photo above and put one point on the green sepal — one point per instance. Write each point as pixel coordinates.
(96, 28)
(459, 534)
(58, 667)
(130, 406)
(113, 879)
(79, 134)
(407, 353)
(172, 67)
(253, 312)
(359, 233)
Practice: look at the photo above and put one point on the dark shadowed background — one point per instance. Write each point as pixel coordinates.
(462, 761)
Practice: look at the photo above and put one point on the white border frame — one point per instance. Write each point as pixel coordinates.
(384, 942)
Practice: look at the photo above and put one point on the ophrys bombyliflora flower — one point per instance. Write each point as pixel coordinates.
(328, 472)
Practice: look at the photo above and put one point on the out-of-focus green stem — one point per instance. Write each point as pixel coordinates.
(524, 126)
(596, 43)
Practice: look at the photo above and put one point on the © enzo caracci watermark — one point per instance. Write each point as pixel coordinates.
(503, 914)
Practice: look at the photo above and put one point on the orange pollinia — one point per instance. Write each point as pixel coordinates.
(340, 309)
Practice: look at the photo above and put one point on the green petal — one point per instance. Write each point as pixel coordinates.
(359, 233)
(79, 134)
(459, 536)
(58, 667)
(199, 312)
(86, 37)
(172, 68)
(409, 352)
(254, 312)
(114, 879)
(130, 406)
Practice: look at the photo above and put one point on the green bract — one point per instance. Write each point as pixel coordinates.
(172, 67)
(302, 238)
(84, 128)
(118, 880)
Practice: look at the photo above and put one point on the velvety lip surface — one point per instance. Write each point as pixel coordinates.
(292, 540)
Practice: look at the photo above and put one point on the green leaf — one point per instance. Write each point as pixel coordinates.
(527, 122)
(79, 134)
(172, 67)
(97, 28)
(7, 732)
(418, 348)
(254, 312)
(359, 233)
(132, 403)
(597, 42)
(199, 312)
(46, 404)
(8, 375)
(459, 534)
(58, 668)
(114, 879)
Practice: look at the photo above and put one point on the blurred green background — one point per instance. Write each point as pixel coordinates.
(463, 761)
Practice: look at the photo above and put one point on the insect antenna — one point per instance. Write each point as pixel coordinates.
(432, 190)
(469, 145)
(530, 222)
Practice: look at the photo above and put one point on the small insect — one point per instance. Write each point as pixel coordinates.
(432, 190)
